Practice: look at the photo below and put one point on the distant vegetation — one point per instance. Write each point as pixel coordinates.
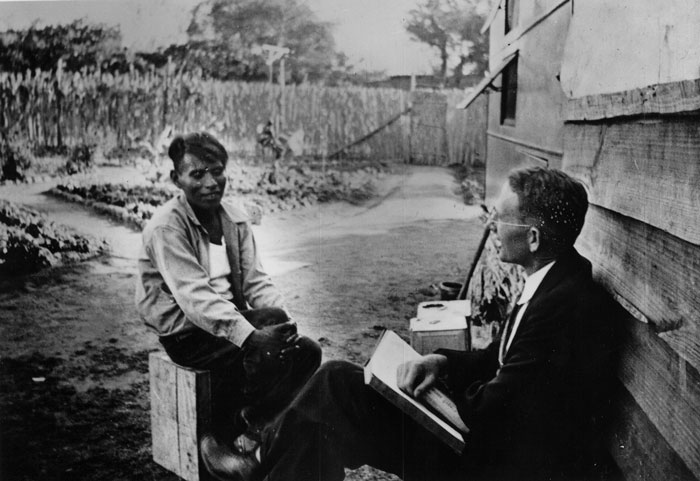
(29, 241)
(453, 29)
(225, 39)
(256, 188)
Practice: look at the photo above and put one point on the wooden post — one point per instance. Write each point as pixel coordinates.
(428, 142)
(58, 95)
(164, 120)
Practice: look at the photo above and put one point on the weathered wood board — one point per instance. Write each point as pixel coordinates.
(163, 382)
(667, 392)
(180, 414)
(665, 98)
(641, 266)
(648, 170)
(428, 142)
(655, 272)
(639, 449)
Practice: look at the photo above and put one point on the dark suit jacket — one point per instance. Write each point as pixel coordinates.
(539, 416)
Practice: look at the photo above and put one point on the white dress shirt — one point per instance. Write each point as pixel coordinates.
(531, 285)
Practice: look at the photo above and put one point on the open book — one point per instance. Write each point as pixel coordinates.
(435, 411)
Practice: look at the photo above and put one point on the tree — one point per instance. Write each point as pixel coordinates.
(452, 27)
(241, 27)
(77, 43)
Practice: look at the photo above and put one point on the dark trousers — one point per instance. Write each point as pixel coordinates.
(336, 421)
(243, 377)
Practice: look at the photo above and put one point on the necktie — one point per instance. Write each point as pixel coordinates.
(506, 333)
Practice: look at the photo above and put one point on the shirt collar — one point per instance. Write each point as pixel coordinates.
(533, 282)
(182, 200)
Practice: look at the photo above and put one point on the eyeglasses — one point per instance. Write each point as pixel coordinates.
(492, 220)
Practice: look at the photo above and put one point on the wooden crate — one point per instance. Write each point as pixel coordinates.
(440, 324)
(180, 414)
(428, 342)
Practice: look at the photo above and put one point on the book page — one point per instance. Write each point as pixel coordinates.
(391, 352)
(439, 401)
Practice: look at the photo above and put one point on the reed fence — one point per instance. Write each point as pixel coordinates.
(119, 111)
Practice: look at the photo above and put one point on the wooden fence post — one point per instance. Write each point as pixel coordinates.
(428, 142)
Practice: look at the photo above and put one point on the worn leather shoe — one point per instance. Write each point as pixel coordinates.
(225, 464)
(246, 443)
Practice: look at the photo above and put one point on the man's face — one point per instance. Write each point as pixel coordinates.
(511, 230)
(203, 182)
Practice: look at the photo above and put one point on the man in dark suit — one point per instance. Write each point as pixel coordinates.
(534, 400)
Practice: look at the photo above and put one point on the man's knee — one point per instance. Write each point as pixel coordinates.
(333, 367)
(336, 385)
(336, 374)
(310, 352)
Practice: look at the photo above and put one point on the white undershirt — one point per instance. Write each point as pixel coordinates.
(219, 269)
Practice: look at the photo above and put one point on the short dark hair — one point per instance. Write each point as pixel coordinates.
(200, 144)
(554, 201)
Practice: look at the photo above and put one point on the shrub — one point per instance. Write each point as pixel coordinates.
(494, 287)
(259, 189)
(472, 192)
(30, 242)
(15, 160)
(80, 159)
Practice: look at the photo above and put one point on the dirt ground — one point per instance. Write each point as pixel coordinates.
(73, 354)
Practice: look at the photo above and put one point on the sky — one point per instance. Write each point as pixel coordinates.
(370, 32)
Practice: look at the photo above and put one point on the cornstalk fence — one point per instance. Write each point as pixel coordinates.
(120, 110)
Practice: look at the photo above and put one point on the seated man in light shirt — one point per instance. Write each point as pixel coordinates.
(203, 290)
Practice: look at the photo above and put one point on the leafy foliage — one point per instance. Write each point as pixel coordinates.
(29, 241)
(15, 159)
(266, 188)
(80, 159)
(472, 190)
(18, 161)
(453, 28)
(77, 43)
(496, 285)
(240, 27)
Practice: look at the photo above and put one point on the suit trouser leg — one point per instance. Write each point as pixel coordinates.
(337, 421)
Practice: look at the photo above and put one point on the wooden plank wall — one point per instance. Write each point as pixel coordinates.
(646, 169)
(642, 234)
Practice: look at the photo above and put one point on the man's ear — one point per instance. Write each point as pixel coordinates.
(174, 177)
(534, 239)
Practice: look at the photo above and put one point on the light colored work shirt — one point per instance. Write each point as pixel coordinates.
(174, 292)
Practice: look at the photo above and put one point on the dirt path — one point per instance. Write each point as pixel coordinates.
(74, 396)
(348, 273)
